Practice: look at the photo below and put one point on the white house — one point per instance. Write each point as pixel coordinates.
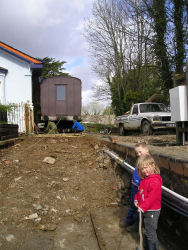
(16, 69)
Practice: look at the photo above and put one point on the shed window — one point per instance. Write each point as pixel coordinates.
(61, 92)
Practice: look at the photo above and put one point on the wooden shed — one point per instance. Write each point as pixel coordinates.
(60, 98)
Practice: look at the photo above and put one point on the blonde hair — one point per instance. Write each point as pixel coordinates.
(142, 145)
(148, 161)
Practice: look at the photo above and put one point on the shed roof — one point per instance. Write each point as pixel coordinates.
(21, 55)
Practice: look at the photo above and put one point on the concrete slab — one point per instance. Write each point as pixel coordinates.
(75, 236)
(110, 235)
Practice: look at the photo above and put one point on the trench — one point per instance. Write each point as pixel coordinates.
(173, 221)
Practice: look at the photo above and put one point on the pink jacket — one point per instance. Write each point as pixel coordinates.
(149, 193)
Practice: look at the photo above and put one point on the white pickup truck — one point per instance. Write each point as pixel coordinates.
(145, 117)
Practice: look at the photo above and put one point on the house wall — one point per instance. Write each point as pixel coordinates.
(2, 77)
(17, 84)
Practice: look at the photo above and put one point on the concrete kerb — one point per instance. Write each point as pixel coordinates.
(173, 164)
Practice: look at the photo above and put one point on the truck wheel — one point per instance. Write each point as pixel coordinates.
(146, 128)
(121, 130)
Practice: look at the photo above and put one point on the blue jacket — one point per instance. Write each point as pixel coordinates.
(136, 179)
(78, 126)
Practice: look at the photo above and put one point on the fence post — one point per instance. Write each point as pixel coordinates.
(29, 118)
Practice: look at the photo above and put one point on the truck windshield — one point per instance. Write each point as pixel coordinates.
(153, 107)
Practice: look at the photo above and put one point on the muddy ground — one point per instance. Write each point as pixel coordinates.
(48, 179)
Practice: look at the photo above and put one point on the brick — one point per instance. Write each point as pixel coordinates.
(156, 158)
(176, 167)
(163, 162)
(185, 169)
(131, 152)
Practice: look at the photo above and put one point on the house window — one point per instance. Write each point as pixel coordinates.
(61, 92)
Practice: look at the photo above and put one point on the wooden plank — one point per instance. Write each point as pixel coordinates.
(9, 142)
(6, 137)
(8, 126)
(7, 131)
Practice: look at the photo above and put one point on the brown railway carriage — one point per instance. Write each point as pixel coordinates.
(60, 99)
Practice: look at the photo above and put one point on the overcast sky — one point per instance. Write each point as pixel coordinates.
(51, 28)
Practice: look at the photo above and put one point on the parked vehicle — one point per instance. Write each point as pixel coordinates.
(60, 100)
(145, 117)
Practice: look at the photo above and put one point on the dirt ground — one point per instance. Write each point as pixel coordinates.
(38, 194)
(155, 140)
(163, 143)
(46, 179)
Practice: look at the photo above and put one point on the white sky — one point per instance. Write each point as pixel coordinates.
(51, 28)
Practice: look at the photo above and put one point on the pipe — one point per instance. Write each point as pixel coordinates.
(166, 193)
(186, 79)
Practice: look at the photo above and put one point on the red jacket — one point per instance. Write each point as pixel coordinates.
(149, 193)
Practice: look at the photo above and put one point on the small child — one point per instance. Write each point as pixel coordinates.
(77, 127)
(148, 198)
(132, 219)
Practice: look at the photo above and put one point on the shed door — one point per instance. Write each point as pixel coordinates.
(61, 96)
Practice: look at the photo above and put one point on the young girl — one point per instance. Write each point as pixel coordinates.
(148, 198)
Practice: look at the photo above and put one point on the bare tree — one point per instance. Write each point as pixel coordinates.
(179, 35)
(119, 42)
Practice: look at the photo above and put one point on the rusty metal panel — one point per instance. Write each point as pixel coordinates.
(77, 98)
(71, 106)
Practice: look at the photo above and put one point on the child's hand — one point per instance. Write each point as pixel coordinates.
(136, 203)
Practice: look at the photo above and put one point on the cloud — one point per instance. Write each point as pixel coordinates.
(87, 97)
(51, 28)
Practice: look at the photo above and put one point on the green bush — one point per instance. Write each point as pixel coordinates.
(6, 108)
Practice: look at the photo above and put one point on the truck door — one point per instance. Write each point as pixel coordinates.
(134, 118)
